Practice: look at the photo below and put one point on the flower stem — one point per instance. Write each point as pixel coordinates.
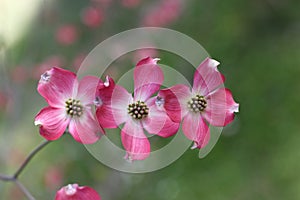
(29, 157)
(16, 175)
(24, 190)
(6, 178)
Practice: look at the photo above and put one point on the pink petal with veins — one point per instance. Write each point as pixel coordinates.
(158, 122)
(85, 129)
(148, 78)
(103, 102)
(87, 89)
(57, 85)
(119, 104)
(106, 117)
(176, 99)
(220, 107)
(147, 60)
(134, 141)
(105, 90)
(52, 122)
(195, 129)
(207, 77)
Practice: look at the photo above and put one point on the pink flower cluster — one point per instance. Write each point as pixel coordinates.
(150, 108)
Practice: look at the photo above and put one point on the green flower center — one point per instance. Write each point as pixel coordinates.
(138, 110)
(74, 108)
(197, 104)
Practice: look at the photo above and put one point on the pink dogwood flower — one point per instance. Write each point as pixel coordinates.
(207, 103)
(75, 192)
(138, 112)
(70, 106)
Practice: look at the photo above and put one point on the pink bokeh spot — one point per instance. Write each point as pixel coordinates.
(53, 177)
(20, 74)
(66, 34)
(131, 3)
(92, 17)
(164, 13)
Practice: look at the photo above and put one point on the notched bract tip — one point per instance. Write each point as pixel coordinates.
(106, 83)
(128, 158)
(70, 190)
(37, 123)
(45, 77)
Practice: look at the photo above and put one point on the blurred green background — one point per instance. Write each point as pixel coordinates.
(257, 43)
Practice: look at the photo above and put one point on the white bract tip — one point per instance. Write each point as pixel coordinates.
(195, 145)
(70, 190)
(213, 64)
(106, 83)
(45, 77)
(156, 60)
(37, 123)
(235, 108)
(128, 158)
